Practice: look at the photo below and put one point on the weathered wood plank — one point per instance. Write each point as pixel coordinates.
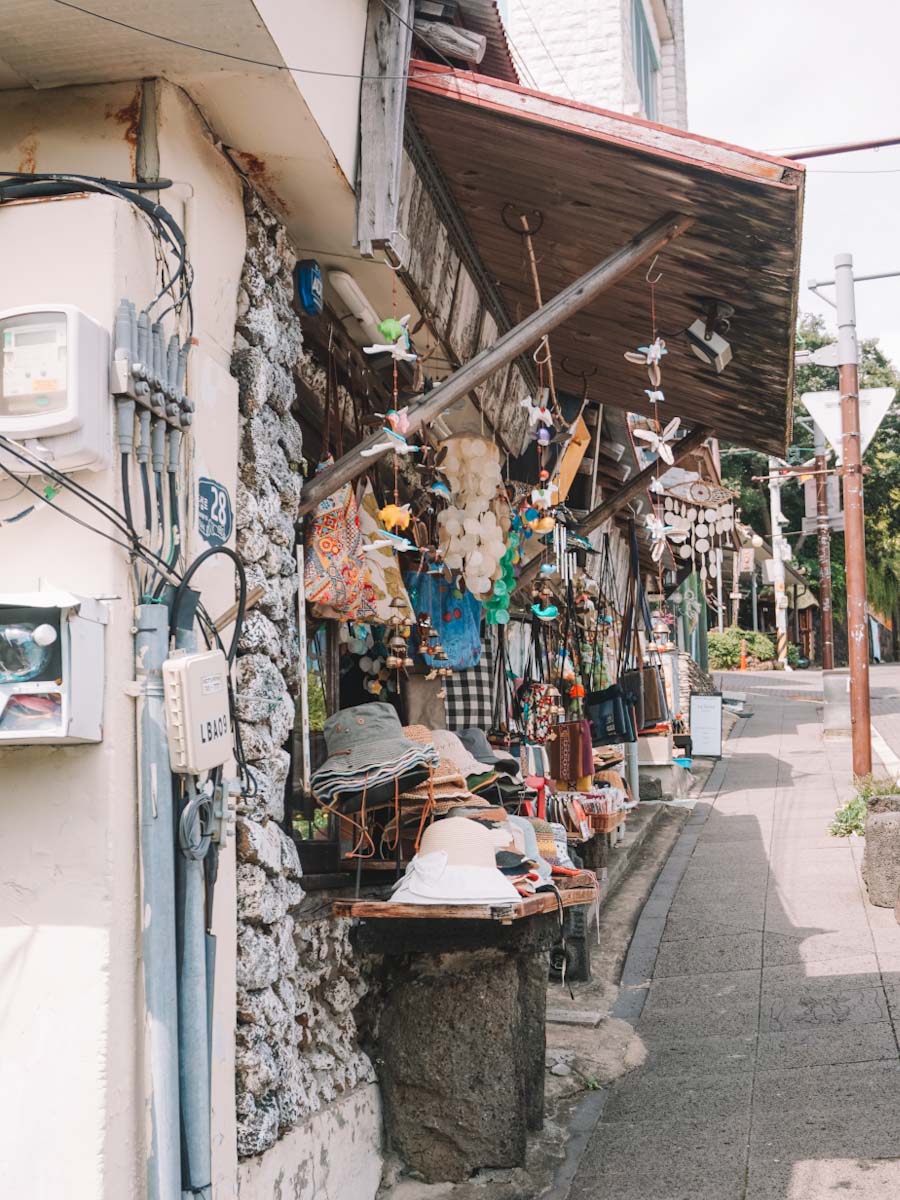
(530, 907)
(382, 108)
(456, 43)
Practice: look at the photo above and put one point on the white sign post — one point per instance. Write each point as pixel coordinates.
(706, 725)
(825, 410)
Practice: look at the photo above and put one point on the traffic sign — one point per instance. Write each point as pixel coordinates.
(825, 410)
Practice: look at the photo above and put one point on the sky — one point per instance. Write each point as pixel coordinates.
(778, 75)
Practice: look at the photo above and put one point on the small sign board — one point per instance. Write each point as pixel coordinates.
(214, 514)
(747, 559)
(706, 725)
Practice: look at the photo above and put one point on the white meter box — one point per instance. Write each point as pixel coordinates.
(51, 668)
(198, 716)
(54, 389)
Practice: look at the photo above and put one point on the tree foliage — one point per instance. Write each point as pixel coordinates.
(882, 483)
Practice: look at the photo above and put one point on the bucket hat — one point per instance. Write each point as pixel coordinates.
(531, 851)
(476, 742)
(366, 745)
(456, 864)
(448, 744)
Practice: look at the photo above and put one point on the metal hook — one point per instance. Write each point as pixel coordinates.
(522, 228)
(584, 376)
(653, 282)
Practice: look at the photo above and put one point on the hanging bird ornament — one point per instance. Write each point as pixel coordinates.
(659, 443)
(650, 357)
(396, 343)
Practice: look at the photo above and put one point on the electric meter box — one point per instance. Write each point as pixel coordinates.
(198, 714)
(54, 388)
(51, 668)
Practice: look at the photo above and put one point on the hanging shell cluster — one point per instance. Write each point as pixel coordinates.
(701, 531)
(472, 536)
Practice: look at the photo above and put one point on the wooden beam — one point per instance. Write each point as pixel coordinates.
(382, 107)
(610, 507)
(456, 43)
(522, 336)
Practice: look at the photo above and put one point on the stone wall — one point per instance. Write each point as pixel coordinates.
(296, 1045)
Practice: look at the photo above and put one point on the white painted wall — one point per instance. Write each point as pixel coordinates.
(582, 50)
(71, 1105)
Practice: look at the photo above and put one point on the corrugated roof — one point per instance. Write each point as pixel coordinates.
(599, 178)
(483, 16)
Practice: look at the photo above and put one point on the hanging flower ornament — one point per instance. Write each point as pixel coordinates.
(657, 529)
(650, 357)
(659, 443)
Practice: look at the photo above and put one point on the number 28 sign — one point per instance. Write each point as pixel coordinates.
(214, 514)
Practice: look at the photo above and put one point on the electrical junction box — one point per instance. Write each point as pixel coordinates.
(198, 716)
(51, 668)
(54, 388)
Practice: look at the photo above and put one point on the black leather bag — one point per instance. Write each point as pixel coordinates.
(611, 715)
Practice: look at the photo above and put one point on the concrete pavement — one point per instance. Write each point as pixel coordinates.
(763, 986)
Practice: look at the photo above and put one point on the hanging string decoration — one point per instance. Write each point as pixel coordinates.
(472, 536)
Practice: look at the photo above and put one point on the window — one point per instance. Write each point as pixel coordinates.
(646, 63)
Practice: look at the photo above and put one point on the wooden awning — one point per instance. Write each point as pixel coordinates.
(597, 178)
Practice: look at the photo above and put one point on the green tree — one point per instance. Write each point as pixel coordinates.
(882, 482)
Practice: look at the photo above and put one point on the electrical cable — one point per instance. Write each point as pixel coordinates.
(188, 575)
(145, 490)
(126, 493)
(241, 58)
(164, 224)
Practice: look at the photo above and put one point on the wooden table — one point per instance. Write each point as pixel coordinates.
(530, 906)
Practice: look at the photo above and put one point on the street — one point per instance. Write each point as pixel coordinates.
(764, 987)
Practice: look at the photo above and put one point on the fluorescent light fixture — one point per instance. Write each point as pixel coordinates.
(354, 297)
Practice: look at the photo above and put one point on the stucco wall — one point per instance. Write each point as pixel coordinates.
(71, 1038)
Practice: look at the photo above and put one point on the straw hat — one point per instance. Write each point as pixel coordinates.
(456, 864)
(448, 744)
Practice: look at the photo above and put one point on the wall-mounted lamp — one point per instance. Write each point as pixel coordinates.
(354, 297)
(706, 335)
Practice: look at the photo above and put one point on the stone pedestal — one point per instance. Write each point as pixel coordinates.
(881, 857)
(461, 1039)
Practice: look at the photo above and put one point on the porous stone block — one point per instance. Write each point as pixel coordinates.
(881, 859)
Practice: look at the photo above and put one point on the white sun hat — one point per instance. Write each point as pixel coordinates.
(448, 745)
(456, 864)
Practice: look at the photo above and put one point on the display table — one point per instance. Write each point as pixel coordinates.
(461, 1031)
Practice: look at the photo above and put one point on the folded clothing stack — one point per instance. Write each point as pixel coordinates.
(368, 753)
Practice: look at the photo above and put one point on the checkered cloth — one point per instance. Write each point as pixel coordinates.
(470, 694)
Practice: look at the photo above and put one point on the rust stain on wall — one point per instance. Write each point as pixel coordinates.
(129, 115)
(260, 178)
(28, 155)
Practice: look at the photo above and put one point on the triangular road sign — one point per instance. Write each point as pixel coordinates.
(825, 410)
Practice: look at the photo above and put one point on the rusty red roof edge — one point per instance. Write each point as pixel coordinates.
(443, 81)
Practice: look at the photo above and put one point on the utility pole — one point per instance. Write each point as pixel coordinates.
(778, 563)
(823, 528)
(854, 528)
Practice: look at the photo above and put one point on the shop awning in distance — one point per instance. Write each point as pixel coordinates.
(597, 178)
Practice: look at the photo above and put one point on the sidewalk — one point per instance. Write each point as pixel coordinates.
(764, 988)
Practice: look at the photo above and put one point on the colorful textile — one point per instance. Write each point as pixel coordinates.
(336, 574)
(384, 571)
(470, 694)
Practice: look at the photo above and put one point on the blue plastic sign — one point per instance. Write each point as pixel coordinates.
(310, 288)
(214, 515)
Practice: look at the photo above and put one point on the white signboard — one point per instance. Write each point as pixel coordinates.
(832, 493)
(747, 559)
(706, 725)
(825, 410)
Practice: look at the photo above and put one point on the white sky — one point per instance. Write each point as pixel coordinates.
(771, 74)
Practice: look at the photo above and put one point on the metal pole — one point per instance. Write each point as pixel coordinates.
(854, 528)
(158, 906)
(753, 599)
(194, 987)
(778, 564)
(735, 588)
(720, 597)
(517, 341)
(824, 538)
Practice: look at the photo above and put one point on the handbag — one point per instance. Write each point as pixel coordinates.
(653, 689)
(610, 713)
(336, 575)
(456, 616)
(567, 751)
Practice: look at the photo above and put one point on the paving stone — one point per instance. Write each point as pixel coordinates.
(821, 1006)
(717, 990)
(706, 1055)
(732, 1019)
(827, 1046)
(680, 929)
(860, 970)
(852, 1178)
(677, 1160)
(782, 948)
(739, 952)
(644, 1096)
